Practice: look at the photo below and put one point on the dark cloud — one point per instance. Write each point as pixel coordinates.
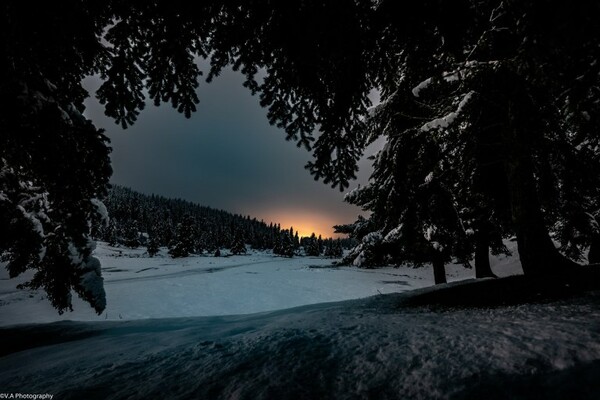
(226, 156)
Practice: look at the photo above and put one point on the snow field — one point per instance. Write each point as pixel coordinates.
(370, 348)
(361, 349)
(139, 287)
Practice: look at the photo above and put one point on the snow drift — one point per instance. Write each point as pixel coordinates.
(375, 348)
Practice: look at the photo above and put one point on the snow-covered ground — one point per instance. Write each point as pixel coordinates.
(139, 287)
(370, 348)
(361, 349)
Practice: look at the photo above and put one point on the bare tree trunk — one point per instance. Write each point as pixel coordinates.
(482, 256)
(594, 254)
(439, 272)
(538, 254)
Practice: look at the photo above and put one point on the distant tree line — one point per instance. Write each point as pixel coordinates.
(185, 228)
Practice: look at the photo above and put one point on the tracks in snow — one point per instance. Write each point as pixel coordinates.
(188, 272)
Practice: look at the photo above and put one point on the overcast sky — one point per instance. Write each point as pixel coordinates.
(226, 156)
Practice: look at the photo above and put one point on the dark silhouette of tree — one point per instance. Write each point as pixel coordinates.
(183, 243)
(284, 245)
(134, 213)
(238, 246)
(54, 163)
(153, 246)
(333, 248)
(311, 247)
(516, 80)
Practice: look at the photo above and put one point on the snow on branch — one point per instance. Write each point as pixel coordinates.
(447, 77)
(416, 91)
(101, 211)
(394, 235)
(448, 119)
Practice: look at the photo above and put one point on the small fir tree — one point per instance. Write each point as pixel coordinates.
(238, 246)
(153, 245)
(285, 245)
(334, 249)
(183, 244)
(131, 235)
(312, 246)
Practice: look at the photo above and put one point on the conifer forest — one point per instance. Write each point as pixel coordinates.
(479, 219)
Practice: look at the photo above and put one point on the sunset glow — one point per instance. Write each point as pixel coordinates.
(305, 222)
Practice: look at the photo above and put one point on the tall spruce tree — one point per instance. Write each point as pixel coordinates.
(512, 79)
(506, 93)
(54, 163)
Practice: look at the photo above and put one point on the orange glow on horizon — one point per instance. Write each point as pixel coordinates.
(303, 222)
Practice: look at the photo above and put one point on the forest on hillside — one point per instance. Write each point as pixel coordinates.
(133, 220)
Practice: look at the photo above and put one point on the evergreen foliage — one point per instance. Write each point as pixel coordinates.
(333, 248)
(131, 235)
(54, 163)
(182, 244)
(485, 136)
(489, 111)
(159, 217)
(284, 245)
(181, 225)
(153, 246)
(238, 246)
(311, 247)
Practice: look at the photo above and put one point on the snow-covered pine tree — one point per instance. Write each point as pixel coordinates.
(110, 233)
(208, 240)
(277, 246)
(525, 72)
(491, 78)
(337, 249)
(287, 246)
(160, 215)
(153, 245)
(284, 245)
(183, 243)
(131, 235)
(238, 246)
(297, 240)
(199, 245)
(54, 164)
(333, 248)
(320, 244)
(424, 226)
(312, 246)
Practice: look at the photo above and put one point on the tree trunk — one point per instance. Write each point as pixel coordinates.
(482, 257)
(594, 254)
(538, 254)
(439, 272)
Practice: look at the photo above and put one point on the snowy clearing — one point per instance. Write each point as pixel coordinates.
(361, 349)
(380, 347)
(139, 287)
